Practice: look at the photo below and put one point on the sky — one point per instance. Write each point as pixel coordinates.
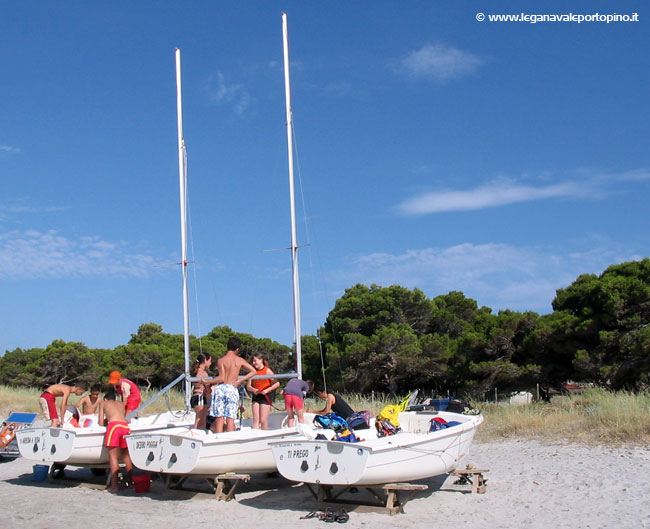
(435, 149)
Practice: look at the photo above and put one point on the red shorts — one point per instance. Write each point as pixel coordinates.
(132, 403)
(115, 432)
(48, 405)
(293, 402)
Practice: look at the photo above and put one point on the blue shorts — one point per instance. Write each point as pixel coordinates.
(225, 401)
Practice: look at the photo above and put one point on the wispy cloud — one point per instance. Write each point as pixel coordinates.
(19, 208)
(9, 148)
(33, 254)
(504, 192)
(496, 275)
(221, 91)
(439, 62)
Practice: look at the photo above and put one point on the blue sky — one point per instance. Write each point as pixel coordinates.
(433, 151)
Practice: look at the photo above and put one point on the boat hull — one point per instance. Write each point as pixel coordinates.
(189, 451)
(84, 446)
(406, 456)
(200, 453)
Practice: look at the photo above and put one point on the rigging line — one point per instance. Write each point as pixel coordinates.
(322, 360)
(311, 243)
(189, 218)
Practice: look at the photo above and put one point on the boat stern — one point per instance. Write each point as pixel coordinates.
(320, 462)
(49, 445)
(167, 453)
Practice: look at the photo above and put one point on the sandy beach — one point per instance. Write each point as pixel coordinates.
(530, 484)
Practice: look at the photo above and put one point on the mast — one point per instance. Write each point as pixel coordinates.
(182, 179)
(294, 245)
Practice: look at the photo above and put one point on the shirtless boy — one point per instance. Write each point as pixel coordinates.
(48, 400)
(88, 404)
(225, 398)
(112, 415)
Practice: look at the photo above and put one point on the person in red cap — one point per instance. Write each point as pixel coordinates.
(128, 390)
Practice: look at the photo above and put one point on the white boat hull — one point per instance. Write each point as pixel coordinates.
(85, 446)
(189, 451)
(412, 454)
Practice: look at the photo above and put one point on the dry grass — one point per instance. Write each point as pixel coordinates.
(596, 416)
(26, 400)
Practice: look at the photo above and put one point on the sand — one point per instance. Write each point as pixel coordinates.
(530, 485)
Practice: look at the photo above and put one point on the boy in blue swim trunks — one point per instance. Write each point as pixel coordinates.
(225, 397)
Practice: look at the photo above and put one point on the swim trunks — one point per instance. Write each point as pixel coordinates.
(293, 402)
(197, 400)
(115, 432)
(225, 401)
(48, 405)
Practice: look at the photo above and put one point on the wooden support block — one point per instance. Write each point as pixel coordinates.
(472, 476)
(393, 503)
(404, 486)
(225, 485)
(388, 497)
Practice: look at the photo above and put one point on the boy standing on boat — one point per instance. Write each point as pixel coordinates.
(48, 400)
(112, 415)
(225, 397)
(128, 390)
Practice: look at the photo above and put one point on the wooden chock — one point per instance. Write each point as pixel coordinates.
(473, 477)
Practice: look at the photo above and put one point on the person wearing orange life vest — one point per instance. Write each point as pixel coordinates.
(262, 390)
(128, 390)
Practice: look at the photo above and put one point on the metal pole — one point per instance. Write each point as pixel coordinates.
(294, 245)
(182, 179)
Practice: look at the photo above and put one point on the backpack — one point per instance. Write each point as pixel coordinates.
(339, 425)
(347, 436)
(390, 413)
(331, 420)
(385, 427)
(359, 420)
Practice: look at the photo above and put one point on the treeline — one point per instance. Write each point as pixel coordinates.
(392, 340)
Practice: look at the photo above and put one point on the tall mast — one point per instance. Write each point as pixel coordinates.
(294, 244)
(182, 179)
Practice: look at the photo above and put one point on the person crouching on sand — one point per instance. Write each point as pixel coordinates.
(48, 400)
(112, 415)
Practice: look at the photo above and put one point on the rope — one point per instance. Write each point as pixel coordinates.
(191, 233)
(268, 399)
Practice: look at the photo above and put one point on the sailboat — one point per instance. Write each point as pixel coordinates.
(191, 451)
(70, 445)
(415, 452)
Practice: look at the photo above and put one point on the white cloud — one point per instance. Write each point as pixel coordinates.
(224, 92)
(9, 148)
(496, 275)
(439, 62)
(501, 193)
(33, 254)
